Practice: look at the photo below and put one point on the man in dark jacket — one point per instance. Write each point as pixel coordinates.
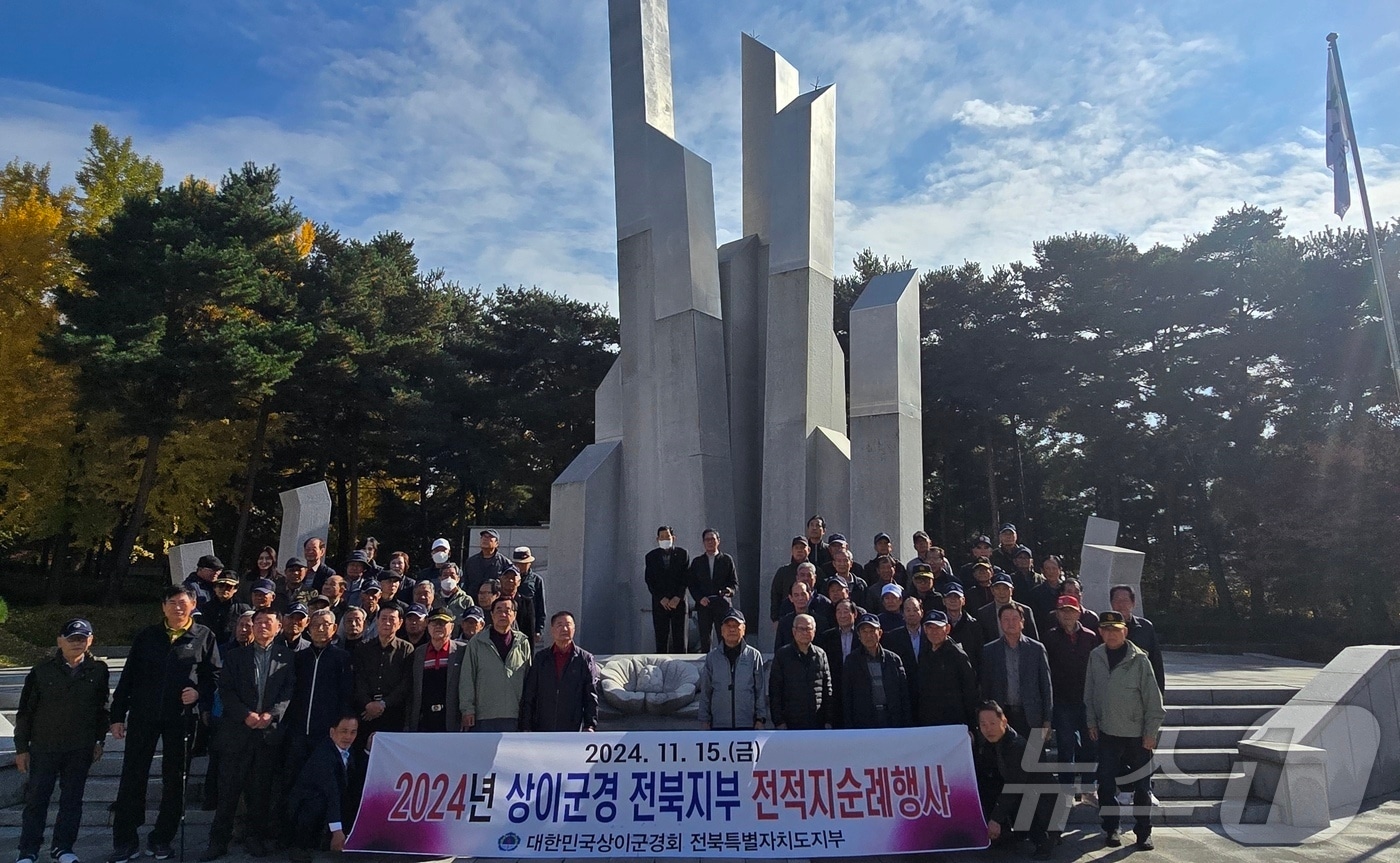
(165, 687)
(838, 643)
(947, 685)
(876, 694)
(317, 570)
(201, 581)
(59, 729)
(786, 577)
(486, 564)
(1141, 632)
(1008, 787)
(990, 618)
(667, 571)
(1016, 674)
(963, 628)
(326, 793)
(255, 688)
(714, 582)
(1003, 557)
(561, 687)
(222, 611)
(383, 678)
(1067, 647)
(324, 683)
(907, 642)
(799, 681)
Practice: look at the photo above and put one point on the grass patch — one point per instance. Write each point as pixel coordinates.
(30, 632)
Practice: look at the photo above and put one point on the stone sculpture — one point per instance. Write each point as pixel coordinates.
(306, 512)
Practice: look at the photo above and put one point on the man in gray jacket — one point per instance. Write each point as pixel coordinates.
(733, 681)
(1125, 713)
(1016, 674)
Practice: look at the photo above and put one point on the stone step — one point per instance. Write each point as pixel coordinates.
(1229, 695)
(1189, 786)
(96, 815)
(1200, 760)
(1212, 714)
(1202, 736)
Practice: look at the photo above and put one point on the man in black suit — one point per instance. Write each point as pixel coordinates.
(1016, 674)
(667, 572)
(316, 569)
(714, 583)
(1140, 630)
(840, 642)
(907, 642)
(256, 688)
(327, 792)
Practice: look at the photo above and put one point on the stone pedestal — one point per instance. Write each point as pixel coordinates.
(184, 557)
(584, 543)
(1100, 531)
(1103, 566)
(306, 512)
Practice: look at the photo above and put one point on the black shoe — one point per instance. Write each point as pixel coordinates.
(213, 852)
(299, 855)
(1111, 839)
(256, 847)
(160, 850)
(124, 855)
(1042, 850)
(1144, 843)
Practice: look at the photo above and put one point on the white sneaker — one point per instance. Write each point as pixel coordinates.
(26, 859)
(68, 857)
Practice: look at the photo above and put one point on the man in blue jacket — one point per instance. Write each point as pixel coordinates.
(1016, 674)
(166, 686)
(561, 687)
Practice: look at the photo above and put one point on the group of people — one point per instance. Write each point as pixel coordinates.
(284, 678)
(997, 646)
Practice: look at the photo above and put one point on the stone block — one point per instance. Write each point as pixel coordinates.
(802, 180)
(306, 512)
(1100, 531)
(607, 406)
(769, 84)
(585, 574)
(1103, 566)
(743, 281)
(183, 558)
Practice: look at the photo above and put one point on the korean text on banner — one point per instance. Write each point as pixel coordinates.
(653, 794)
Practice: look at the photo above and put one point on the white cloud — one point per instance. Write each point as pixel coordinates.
(1002, 115)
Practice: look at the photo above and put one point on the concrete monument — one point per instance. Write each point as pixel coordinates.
(184, 557)
(306, 512)
(727, 405)
(887, 438)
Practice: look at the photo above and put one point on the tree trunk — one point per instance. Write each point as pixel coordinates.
(1027, 527)
(58, 566)
(250, 479)
(992, 487)
(342, 498)
(120, 562)
(352, 537)
(1171, 554)
(1205, 519)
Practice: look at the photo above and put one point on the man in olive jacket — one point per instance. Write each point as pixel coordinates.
(59, 729)
(1125, 714)
(493, 673)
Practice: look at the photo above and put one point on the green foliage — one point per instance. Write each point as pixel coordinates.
(111, 172)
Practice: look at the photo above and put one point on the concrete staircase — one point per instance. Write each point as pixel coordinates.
(1196, 753)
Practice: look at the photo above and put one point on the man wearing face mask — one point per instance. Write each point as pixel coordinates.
(453, 599)
(667, 573)
(486, 564)
(441, 553)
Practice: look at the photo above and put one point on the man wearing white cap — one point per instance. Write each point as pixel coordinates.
(441, 553)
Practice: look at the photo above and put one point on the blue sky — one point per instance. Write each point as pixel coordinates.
(966, 130)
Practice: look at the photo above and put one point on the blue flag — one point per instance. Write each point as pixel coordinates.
(1337, 139)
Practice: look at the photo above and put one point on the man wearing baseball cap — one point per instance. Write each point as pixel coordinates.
(1125, 713)
(437, 675)
(486, 564)
(732, 692)
(875, 691)
(59, 730)
(947, 685)
(1068, 646)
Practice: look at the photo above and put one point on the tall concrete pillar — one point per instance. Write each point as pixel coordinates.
(306, 512)
(887, 448)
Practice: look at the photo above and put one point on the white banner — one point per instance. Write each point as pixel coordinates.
(672, 794)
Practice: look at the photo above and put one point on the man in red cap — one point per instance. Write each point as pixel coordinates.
(1068, 646)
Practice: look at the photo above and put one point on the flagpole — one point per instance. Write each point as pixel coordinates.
(1387, 316)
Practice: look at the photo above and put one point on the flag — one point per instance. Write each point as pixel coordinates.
(1337, 139)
